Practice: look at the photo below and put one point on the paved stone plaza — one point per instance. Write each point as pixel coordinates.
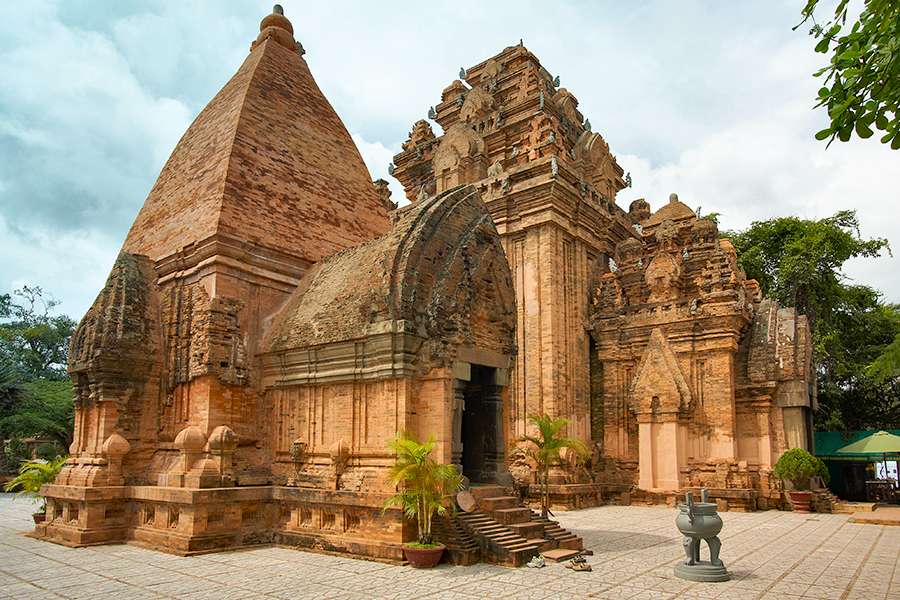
(770, 555)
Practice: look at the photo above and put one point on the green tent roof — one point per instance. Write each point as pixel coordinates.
(828, 443)
(880, 442)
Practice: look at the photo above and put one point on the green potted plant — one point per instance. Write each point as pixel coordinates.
(32, 475)
(798, 466)
(545, 450)
(423, 487)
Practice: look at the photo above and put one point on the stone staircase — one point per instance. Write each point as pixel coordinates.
(509, 533)
(499, 544)
(823, 501)
(559, 537)
(462, 549)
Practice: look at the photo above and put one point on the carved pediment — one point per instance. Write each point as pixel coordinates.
(659, 386)
(568, 105)
(420, 132)
(479, 104)
(662, 277)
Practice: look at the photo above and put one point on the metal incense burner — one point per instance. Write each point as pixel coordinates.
(699, 521)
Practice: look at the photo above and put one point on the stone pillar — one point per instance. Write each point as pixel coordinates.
(719, 404)
(765, 439)
(494, 454)
(668, 452)
(646, 455)
(459, 405)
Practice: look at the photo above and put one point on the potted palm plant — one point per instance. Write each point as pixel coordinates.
(798, 466)
(545, 450)
(32, 475)
(423, 487)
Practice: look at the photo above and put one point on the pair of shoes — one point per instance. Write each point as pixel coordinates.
(536, 563)
(578, 563)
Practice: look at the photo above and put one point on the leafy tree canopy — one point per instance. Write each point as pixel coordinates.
(861, 83)
(45, 410)
(799, 262)
(32, 339)
(36, 399)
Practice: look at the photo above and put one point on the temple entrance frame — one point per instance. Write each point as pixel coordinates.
(479, 444)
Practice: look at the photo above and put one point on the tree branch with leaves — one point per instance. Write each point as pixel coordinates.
(861, 83)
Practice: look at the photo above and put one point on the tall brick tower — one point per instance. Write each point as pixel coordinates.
(241, 210)
(264, 183)
(550, 185)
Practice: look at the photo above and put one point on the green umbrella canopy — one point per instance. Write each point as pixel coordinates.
(879, 443)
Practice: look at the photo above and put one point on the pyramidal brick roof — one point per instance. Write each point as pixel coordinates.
(267, 162)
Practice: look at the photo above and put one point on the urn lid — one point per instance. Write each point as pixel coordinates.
(700, 508)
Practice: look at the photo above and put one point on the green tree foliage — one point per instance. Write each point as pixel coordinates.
(46, 410)
(887, 364)
(10, 387)
(35, 392)
(799, 263)
(545, 450)
(423, 483)
(32, 339)
(861, 83)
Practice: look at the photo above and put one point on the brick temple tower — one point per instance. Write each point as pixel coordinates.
(550, 185)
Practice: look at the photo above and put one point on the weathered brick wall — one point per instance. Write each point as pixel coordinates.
(736, 353)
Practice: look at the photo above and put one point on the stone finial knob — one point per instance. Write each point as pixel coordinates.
(116, 446)
(673, 197)
(190, 439)
(278, 28)
(222, 440)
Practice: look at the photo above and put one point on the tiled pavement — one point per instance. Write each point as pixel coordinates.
(770, 555)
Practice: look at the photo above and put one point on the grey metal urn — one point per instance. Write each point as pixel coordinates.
(700, 521)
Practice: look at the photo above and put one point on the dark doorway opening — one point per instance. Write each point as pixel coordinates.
(482, 426)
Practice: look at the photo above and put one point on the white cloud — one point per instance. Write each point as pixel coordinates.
(72, 266)
(377, 157)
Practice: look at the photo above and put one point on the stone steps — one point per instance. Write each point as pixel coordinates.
(561, 538)
(498, 502)
(479, 492)
(509, 516)
(498, 543)
(462, 549)
(530, 529)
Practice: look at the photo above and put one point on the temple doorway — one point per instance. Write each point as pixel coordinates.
(481, 433)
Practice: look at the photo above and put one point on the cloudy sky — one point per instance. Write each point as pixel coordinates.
(710, 99)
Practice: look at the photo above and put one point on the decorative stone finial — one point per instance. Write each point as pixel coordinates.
(278, 28)
(673, 197)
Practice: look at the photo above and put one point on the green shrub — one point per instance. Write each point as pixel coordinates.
(424, 484)
(47, 450)
(797, 466)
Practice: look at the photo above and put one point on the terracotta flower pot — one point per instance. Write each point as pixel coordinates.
(800, 501)
(38, 517)
(423, 558)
